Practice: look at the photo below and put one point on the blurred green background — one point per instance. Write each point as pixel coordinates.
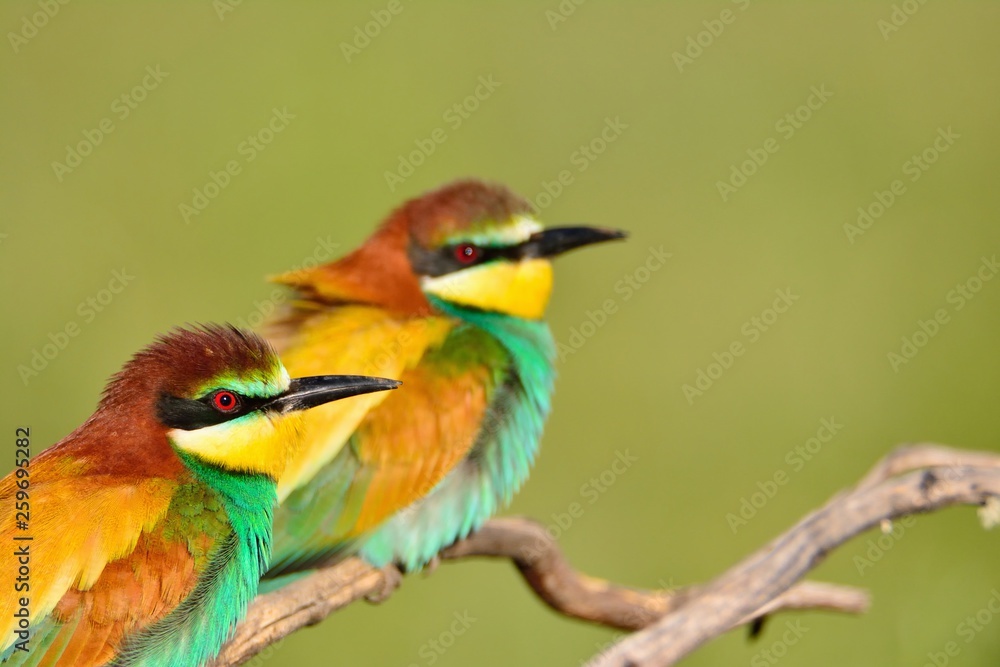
(694, 93)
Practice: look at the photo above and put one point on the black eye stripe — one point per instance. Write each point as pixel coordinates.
(444, 260)
(190, 414)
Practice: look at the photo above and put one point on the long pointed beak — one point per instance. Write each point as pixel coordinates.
(557, 240)
(308, 392)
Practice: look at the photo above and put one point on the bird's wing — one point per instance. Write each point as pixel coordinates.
(94, 558)
(399, 451)
(347, 340)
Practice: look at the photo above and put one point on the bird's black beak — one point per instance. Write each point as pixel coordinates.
(557, 240)
(305, 393)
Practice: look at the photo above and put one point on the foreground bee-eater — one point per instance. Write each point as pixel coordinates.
(448, 295)
(145, 531)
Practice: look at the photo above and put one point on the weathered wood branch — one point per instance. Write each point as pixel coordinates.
(670, 623)
(911, 480)
(547, 571)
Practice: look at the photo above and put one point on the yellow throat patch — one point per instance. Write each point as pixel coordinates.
(254, 443)
(520, 289)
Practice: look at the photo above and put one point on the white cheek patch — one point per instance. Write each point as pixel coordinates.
(208, 441)
(228, 441)
(450, 286)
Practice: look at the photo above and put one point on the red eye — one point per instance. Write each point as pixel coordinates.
(466, 253)
(225, 401)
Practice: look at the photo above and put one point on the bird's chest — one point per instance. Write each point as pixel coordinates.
(198, 518)
(519, 400)
(224, 518)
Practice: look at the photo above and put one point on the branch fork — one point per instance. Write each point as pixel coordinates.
(666, 625)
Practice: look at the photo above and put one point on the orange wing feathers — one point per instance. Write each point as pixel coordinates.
(131, 593)
(350, 340)
(105, 559)
(437, 407)
(398, 449)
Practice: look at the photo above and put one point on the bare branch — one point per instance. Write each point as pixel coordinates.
(670, 623)
(274, 616)
(544, 567)
(944, 477)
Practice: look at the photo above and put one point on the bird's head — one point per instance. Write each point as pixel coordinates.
(471, 244)
(221, 395)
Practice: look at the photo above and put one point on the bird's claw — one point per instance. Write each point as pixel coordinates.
(432, 565)
(392, 577)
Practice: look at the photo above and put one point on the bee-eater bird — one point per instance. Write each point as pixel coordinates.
(448, 295)
(145, 531)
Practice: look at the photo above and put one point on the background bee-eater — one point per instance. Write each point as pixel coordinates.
(150, 524)
(567, 70)
(448, 295)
